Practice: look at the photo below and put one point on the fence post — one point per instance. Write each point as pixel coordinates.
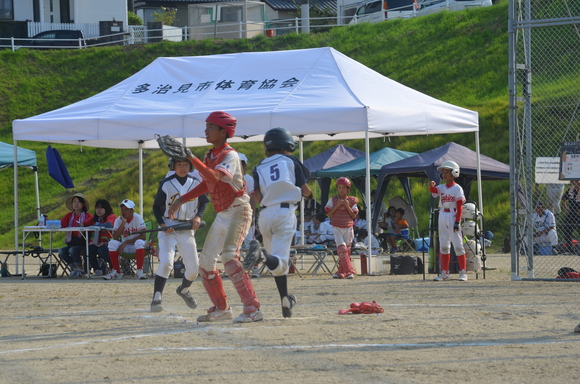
(13, 47)
(296, 24)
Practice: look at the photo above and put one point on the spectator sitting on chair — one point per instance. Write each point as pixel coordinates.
(322, 232)
(362, 241)
(308, 227)
(360, 222)
(544, 225)
(128, 222)
(387, 225)
(398, 223)
(99, 247)
(75, 242)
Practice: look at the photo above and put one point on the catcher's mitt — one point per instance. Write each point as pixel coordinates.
(173, 148)
(362, 308)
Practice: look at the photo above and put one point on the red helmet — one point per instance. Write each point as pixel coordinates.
(343, 181)
(224, 120)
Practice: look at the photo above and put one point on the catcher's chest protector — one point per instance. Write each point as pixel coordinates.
(222, 194)
(341, 218)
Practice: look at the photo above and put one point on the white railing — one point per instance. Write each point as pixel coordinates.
(138, 34)
(89, 29)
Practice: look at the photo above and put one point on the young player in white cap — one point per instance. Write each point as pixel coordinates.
(128, 222)
(279, 184)
(179, 183)
(223, 179)
(450, 211)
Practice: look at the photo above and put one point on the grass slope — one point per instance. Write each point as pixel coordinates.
(458, 57)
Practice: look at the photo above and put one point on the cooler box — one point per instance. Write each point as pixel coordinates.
(405, 233)
(422, 245)
(544, 249)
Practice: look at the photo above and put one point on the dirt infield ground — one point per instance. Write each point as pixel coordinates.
(484, 331)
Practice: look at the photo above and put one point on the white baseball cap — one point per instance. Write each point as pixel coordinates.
(243, 157)
(127, 203)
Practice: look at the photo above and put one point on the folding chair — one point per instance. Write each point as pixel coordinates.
(127, 261)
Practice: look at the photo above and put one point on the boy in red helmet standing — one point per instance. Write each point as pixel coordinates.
(223, 178)
(450, 211)
(342, 210)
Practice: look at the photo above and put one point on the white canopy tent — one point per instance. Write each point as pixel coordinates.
(315, 93)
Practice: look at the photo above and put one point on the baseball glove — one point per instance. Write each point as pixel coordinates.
(173, 148)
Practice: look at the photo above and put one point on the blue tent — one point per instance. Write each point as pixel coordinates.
(356, 169)
(26, 159)
(339, 154)
(425, 165)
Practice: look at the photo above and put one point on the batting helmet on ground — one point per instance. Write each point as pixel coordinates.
(224, 120)
(279, 138)
(451, 165)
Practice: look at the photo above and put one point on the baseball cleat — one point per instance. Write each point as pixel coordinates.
(250, 317)
(463, 275)
(351, 276)
(113, 275)
(255, 272)
(156, 306)
(187, 297)
(139, 275)
(253, 255)
(216, 314)
(288, 303)
(442, 277)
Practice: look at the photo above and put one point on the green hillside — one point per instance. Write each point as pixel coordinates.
(458, 57)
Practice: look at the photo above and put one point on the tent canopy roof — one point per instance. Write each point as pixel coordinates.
(26, 157)
(318, 94)
(425, 164)
(339, 154)
(357, 167)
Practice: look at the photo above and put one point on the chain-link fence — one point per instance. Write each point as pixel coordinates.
(544, 85)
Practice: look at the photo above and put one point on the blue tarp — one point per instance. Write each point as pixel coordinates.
(56, 168)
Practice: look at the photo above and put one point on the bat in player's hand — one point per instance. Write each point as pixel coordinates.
(178, 227)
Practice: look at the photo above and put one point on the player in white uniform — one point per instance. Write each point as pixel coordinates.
(128, 222)
(249, 190)
(280, 181)
(450, 211)
(171, 188)
(222, 176)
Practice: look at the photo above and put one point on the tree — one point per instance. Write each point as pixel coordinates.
(166, 16)
(134, 19)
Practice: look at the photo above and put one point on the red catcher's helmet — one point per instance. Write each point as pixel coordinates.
(224, 120)
(343, 181)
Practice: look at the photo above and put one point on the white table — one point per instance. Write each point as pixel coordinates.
(51, 231)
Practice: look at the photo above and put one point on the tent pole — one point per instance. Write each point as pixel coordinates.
(16, 200)
(37, 203)
(479, 188)
(141, 178)
(370, 228)
(301, 146)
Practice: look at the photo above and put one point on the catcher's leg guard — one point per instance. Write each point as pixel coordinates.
(212, 282)
(243, 285)
(139, 257)
(114, 255)
(344, 263)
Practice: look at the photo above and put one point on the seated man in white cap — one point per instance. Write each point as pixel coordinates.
(544, 225)
(128, 222)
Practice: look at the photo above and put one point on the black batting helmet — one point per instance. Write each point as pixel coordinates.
(279, 138)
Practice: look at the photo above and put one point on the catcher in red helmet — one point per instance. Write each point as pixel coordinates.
(223, 178)
(342, 210)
